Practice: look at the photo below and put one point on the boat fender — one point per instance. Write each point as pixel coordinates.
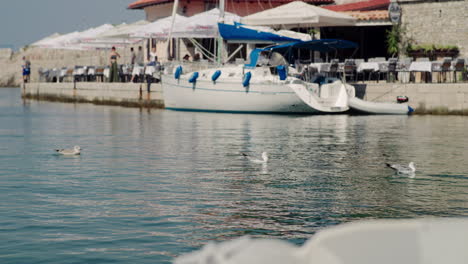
(178, 72)
(215, 76)
(282, 72)
(246, 79)
(410, 109)
(193, 78)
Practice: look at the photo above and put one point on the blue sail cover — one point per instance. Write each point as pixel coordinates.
(239, 33)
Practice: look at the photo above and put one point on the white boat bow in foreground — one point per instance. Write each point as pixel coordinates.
(417, 241)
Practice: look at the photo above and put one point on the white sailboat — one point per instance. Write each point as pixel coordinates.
(273, 87)
(255, 90)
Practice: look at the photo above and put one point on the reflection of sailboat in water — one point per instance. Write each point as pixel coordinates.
(258, 88)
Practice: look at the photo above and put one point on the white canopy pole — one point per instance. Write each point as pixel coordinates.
(174, 11)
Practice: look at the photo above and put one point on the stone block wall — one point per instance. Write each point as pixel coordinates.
(437, 22)
(424, 97)
(123, 94)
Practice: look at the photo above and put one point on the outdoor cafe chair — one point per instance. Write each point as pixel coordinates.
(459, 66)
(421, 65)
(99, 74)
(349, 69)
(402, 70)
(383, 71)
(53, 75)
(79, 73)
(436, 69)
(66, 74)
(43, 74)
(91, 74)
(445, 68)
(391, 75)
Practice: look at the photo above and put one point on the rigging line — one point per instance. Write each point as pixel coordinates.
(260, 4)
(246, 7)
(205, 52)
(269, 2)
(233, 6)
(194, 42)
(387, 93)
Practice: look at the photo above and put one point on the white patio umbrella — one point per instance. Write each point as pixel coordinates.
(158, 29)
(203, 25)
(58, 42)
(93, 32)
(74, 40)
(48, 38)
(118, 35)
(122, 31)
(298, 14)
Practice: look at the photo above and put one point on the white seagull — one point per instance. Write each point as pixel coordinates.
(75, 151)
(403, 170)
(264, 159)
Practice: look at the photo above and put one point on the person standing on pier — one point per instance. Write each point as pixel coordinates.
(139, 62)
(26, 70)
(114, 68)
(132, 57)
(140, 59)
(153, 57)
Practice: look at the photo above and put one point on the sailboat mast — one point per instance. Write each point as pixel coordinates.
(220, 39)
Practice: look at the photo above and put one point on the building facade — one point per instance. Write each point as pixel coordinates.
(436, 22)
(155, 9)
(422, 22)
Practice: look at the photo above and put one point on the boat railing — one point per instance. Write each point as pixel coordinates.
(192, 66)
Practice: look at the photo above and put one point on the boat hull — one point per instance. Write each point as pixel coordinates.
(231, 97)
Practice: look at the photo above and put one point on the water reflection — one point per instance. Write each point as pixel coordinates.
(164, 182)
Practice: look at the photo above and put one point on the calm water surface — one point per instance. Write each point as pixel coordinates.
(151, 185)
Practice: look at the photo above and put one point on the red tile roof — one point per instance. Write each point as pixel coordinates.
(369, 15)
(360, 6)
(140, 4)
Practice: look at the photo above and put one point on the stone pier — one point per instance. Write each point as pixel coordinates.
(426, 98)
(123, 94)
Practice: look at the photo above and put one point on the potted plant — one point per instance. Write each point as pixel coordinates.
(393, 40)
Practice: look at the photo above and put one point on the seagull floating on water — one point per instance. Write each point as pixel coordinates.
(75, 151)
(403, 170)
(264, 159)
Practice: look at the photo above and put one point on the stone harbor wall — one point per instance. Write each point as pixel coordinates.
(5, 54)
(122, 94)
(436, 22)
(426, 98)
